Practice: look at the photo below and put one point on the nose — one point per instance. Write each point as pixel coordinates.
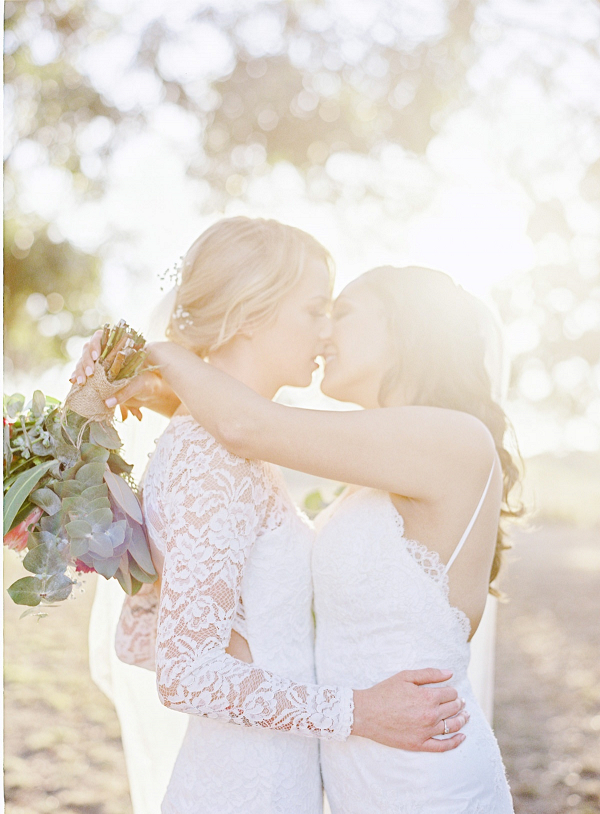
(326, 328)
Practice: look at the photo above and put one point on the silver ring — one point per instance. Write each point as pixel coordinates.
(446, 730)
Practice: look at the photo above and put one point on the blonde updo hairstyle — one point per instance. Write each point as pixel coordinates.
(436, 329)
(234, 277)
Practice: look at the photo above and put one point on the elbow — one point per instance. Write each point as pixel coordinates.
(236, 436)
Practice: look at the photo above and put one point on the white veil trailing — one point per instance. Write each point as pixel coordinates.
(151, 734)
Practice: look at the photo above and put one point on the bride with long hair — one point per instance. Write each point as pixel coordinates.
(234, 640)
(405, 558)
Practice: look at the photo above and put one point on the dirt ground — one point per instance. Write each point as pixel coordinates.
(547, 716)
(62, 744)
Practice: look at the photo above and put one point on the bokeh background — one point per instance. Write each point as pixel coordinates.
(460, 134)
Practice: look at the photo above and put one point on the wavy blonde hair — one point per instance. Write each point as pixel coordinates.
(234, 277)
(440, 349)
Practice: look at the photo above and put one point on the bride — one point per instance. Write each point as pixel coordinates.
(403, 562)
(253, 297)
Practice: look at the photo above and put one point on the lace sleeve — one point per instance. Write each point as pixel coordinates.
(135, 639)
(213, 518)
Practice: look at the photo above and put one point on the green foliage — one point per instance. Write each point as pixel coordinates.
(91, 518)
(20, 490)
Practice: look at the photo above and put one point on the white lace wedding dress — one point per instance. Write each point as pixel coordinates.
(236, 550)
(382, 605)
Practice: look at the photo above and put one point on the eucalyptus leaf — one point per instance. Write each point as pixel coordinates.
(41, 538)
(79, 546)
(94, 492)
(118, 465)
(73, 424)
(47, 500)
(139, 574)
(45, 560)
(20, 491)
(78, 528)
(123, 577)
(14, 404)
(124, 496)
(108, 567)
(135, 586)
(117, 532)
(100, 519)
(68, 489)
(38, 403)
(70, 473)
(138, 548)
(98, 503)
(100, 546)
(93, 452)
(8, 455)
(57, 588)
(67, 454)
(52, 524)
(74, 507)
(23, 512)
(43, 447)
(105, 435)
(26, 591)
(91, 474)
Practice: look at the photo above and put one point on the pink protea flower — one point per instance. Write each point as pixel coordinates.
(17, 538)
(82, 568)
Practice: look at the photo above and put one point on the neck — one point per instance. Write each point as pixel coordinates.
(237, 358)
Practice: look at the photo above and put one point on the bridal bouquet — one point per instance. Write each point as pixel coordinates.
(67, 491)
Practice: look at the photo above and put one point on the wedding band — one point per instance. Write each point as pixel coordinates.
(446, 730)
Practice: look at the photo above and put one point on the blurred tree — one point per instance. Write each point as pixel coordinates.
(552, 311)
(298, 81)
(281, 81)
(50, 286)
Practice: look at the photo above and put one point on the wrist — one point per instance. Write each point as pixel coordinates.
(360, 724)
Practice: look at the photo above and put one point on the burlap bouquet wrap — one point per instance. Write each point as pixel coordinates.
(88, 399)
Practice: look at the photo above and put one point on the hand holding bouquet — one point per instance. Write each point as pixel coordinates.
(68, 499)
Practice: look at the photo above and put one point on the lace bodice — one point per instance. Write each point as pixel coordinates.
(374, 588)
(382, 606)
(206, 509)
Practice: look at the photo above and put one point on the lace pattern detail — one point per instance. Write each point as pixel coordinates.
(135, 639)
(210, 514)
(431, 564)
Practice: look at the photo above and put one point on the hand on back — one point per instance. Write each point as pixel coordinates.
(403, 713)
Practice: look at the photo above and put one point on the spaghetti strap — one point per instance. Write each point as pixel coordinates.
(463, 539)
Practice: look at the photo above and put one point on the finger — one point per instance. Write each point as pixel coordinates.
(96, 345)
(452, 725)
(443, 695)
(135, 386)
(136, 412)
(456, 723)
(450, 709)
(124, 411)
(446, 745)
(79, 373)
(427, 676)
(86, 361)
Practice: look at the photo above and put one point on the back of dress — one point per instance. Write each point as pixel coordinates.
(382, 606)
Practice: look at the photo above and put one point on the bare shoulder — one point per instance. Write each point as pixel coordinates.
(447, 429)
